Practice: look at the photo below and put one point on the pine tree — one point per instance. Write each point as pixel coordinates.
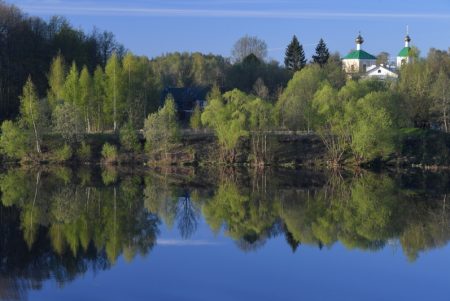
(322, 54)
(295, 55)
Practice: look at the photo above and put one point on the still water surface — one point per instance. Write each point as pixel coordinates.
(93, 234)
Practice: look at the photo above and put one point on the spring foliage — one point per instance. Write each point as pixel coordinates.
(161, 129)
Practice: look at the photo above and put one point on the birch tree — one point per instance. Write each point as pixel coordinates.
(72, 85)
(114, 90)
(86, 95)
(99, 96)
(29, 110)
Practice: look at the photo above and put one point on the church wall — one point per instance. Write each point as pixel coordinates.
(358, 65)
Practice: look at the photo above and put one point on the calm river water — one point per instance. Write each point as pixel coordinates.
(223, 234)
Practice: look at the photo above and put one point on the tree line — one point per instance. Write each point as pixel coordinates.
(79, 92)
(28, 44)
(357, 119)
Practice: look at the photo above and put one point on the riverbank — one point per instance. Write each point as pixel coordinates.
(417, 148)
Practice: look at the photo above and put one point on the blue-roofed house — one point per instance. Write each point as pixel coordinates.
(186, 99)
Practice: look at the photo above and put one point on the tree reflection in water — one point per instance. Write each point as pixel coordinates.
(60, 223)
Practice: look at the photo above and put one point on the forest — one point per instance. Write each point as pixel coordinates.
(62, 88)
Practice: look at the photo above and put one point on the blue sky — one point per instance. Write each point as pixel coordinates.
(153, 27)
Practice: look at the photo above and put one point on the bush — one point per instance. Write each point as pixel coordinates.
(84, 153)
(161, 129)
(129, 138)
(68, 122)
(109, 153)
(109, 175)
(63, 154)
(14, 142)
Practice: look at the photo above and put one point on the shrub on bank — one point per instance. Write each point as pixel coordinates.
(62, 154)
(84, 152)
(129, 139)
(109, 153)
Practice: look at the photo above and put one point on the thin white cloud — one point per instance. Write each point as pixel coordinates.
(184, 243)
(96, 10)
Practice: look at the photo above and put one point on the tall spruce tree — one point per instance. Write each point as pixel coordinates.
(322, 54)
(295, 55)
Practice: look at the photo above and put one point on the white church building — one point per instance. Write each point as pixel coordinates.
(405, 55)
(362, 64)
(357, 61)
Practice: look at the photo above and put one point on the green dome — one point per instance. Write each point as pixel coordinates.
(405, 52)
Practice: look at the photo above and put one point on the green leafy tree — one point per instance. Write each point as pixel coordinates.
(329, 123)
(14, 141)
(374, 130)
(56, 79)
(86, 96)
(161, 129)
(30, 112)
(129, 138)
(334, 72)
(440, 92)
(260, 121)
(228, 120)
(99, 96)
(362, 118)
(114, 81)
(136, 87)
(415, 85)
(215, 93)
(294, 59)
(68, 121)
(322, 54)
(295, 104)
(72, 86)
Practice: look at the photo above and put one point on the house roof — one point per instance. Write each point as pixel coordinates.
(185, 98)
(378, 71)
(405, 52)
(359, 55)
